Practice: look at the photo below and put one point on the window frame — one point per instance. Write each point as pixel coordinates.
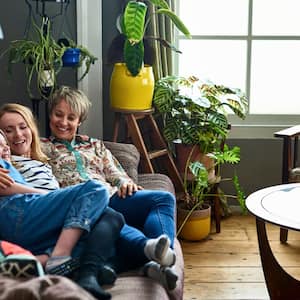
(255, 125)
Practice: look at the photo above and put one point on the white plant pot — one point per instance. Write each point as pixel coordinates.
(47, 79)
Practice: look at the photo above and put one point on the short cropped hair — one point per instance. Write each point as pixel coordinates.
(78, 101)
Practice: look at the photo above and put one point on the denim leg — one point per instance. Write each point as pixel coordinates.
(35, 221)
(130, 250)
(101, 242)
(150, 211)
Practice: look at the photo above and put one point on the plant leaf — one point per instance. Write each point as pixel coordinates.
(133, 56)
(134, 21)
(160, 3)
(178, 23)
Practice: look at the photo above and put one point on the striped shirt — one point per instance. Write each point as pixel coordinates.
(36, 173)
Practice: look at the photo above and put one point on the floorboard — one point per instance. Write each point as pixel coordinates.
(227, 266)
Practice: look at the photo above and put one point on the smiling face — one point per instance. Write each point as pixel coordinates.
(64, 121)
(17, 132)
(4, 148)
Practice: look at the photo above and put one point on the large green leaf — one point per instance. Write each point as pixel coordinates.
(160, 3)
(133, 56)
(134, 21)
(178, 23)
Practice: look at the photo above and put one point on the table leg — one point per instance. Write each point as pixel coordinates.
(281, 286)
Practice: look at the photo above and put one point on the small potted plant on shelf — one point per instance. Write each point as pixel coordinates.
(130, 69)
(76, 56)
(195, 123)
(42, 57)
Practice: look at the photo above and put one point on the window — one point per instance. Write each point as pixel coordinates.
(250, 44)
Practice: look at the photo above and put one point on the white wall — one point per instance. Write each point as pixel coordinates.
(89, 33)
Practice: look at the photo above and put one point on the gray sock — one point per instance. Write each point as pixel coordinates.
(159, 250)
(164, 275)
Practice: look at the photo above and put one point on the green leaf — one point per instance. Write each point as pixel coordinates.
(133, 56)
(240, 194)
(160, 3)
(231, 156)
(178, 23)
(163, 42)
(134, 21)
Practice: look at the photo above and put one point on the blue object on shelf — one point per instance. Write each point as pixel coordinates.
(71, 57)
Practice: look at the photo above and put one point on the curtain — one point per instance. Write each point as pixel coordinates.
(160, 26)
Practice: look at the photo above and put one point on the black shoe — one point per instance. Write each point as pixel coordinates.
(106, 275)
(90, 283)
(66, 268)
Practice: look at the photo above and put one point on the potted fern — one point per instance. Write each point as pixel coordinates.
(131, 70)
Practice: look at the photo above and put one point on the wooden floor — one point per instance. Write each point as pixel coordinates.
(227, 266)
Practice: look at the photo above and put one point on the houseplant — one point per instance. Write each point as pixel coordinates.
(130, 63)
(200, 190)
(76, 56)
(195, 119)
(42, 57)
(196, 112)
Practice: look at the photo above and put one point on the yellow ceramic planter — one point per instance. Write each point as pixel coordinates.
(197, 227)
(129, 92)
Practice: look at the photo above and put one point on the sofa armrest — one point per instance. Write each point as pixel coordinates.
(127, 155)
(156, 182)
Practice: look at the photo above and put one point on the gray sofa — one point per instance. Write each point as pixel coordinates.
(129, 285)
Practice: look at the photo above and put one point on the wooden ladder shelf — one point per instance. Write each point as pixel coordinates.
(160, 151)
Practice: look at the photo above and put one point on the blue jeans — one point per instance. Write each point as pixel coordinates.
(148, 214)
(34, 221)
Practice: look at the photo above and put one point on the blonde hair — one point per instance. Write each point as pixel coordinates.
(25, 112)
(78, 101)
(4, 136)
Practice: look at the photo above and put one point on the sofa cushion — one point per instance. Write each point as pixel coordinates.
(48, 287)
(130, 285)
(127, 155)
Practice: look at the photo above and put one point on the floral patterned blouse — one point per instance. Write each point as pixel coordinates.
(82, 159)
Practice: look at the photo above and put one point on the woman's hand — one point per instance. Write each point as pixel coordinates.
(128, 188)
(5, 180)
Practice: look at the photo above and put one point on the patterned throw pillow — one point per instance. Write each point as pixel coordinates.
(17, 262)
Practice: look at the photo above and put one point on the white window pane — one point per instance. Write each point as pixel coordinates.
(223, 62)
(275, 77)
(276, 17)
(215, 17)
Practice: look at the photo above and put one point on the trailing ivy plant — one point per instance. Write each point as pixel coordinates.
(86, 58)
(42, 53)
(39, 54)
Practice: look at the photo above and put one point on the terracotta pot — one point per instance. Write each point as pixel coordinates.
(197, 227)
(129, 92)
(193, 153)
